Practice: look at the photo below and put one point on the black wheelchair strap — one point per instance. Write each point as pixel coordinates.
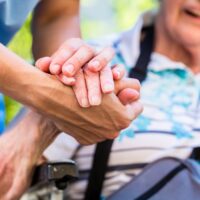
(103, 149)
(99, 167)
(146, 47)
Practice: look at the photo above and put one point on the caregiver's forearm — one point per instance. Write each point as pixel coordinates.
(23, 82)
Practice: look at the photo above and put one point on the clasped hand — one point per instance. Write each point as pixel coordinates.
(79, 65)
(96, 85)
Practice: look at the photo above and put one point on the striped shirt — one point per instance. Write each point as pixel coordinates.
(168, 126)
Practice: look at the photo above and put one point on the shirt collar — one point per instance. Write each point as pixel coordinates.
(160, 62)
(129, 45)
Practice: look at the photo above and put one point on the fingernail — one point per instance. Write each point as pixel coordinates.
(95, 64)
(108, 87)
(64, 53)
(69, 69)
(68, 81)
(117, 74)
(55, 69)
(84, 103)
(72, 82)
(95, 101)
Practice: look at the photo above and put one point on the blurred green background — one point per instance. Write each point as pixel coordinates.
(98, 18)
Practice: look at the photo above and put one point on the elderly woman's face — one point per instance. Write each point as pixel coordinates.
(181, 20)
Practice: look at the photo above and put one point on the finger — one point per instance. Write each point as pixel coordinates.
(43, 64)
(64, 53)
(127, 83)
(93, 87)
(69, 81)
(60, 57)
(134, 109)
(78, 60)
(21, 180)
(80, 90)
(106, 79)
(118, 71)
(127, 96)
(101, 60)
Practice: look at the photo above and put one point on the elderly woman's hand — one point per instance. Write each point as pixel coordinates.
(117, 110)
(77, 64)
(21, 147)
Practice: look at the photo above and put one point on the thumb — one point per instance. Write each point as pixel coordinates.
(127, 96)
(127, 90)
(125, 83)
(43, 64)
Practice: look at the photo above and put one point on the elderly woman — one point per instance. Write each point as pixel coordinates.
(169, 125)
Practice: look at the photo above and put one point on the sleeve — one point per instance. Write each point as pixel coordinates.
(62, 149)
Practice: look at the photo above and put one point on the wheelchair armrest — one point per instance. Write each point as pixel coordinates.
(57, 173)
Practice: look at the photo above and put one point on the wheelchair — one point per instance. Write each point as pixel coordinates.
(50, 180)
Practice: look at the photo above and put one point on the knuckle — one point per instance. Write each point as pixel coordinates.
(107, 69)
(88, 49)
(105, 56)
(137, 84)
(125, 123)
(103, 60)
(87, 72)
(83, 55)
(73, 40)
(69, 48)
(73, 43)
(76, 61)
(58, 59)
(79, 73)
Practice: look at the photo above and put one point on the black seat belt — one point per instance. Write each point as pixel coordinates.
(99, 168)
(146, 47)
(103, 149)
